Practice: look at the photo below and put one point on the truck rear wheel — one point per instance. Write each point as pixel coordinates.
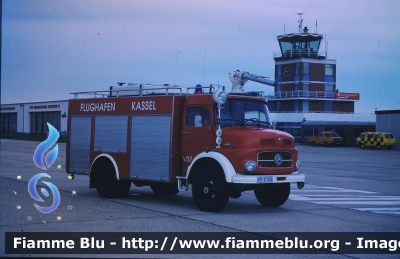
(164, 188)
(210, 190)
(107, 184)
(313, 143)
(272, 195)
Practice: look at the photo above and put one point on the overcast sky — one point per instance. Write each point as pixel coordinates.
(51, 48)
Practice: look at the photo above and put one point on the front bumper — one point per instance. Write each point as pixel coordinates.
(261, 179)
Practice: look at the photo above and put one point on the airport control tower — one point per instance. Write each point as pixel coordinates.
(306, 77)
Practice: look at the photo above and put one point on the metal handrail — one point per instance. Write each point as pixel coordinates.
(303, 94)
(108, 93)
(299, 53)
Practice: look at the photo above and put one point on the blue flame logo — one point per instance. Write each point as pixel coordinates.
(42, 160)
(33, 193)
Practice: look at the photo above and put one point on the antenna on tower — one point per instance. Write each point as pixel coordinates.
(316, 25)
(326, 46)
(300, 22)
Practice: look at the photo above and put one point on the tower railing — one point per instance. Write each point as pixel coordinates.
(313, 95)
(300, 53)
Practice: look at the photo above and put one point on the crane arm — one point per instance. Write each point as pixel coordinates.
(239, 78)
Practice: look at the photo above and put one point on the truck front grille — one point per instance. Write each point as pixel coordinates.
(267, 159)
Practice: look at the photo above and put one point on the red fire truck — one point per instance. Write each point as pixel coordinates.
(169, 138)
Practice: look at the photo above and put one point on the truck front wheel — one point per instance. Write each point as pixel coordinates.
(272, 195)
(107, 184)
(210, 190)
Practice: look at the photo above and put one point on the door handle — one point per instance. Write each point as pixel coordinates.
(185, 132)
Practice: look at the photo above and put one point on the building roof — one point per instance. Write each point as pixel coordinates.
(337, 123)
(387, 112)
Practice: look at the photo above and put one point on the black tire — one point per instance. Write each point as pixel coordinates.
(210, 190)
(107, 184)
(325, 144)
(234, 193)
(389, 148)
(272, 195)
(362, 146)
(164, 188)
(378, 146)
(313, 144)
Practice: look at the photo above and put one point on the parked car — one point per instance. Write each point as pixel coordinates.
(326, 138)
(376, 140)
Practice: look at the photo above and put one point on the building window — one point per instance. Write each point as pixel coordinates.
(328, 106)
(278, 106)
(293, 128)
(8, 122)
(329, 70)
(329, 91)
(306, 68)
(39, 121)
(296, 106)
(297, 69)
(296, 89)
(306, 106)
(305, 90)
(278, 90)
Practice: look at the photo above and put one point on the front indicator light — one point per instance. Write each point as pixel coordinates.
(250, 166)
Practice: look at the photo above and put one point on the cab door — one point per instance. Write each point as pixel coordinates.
(197, 133)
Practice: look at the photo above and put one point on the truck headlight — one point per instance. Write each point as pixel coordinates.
(297, 165)
(250, 166)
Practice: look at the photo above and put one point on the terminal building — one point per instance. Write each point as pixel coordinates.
(33, 117)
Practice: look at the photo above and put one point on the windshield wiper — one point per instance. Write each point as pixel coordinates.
(259, 123)
(240, 122)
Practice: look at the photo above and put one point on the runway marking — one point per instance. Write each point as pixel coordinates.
(355, 199)
(382, 210)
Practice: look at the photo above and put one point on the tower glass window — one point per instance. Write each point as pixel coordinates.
(329, 70)
(306, 68)
(328, 106)
(306, 106)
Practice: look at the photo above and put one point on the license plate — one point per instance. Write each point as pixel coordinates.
(264, 179)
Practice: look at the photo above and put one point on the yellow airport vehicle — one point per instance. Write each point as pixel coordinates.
(376, 140)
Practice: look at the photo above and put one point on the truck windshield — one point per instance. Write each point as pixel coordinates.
(334, 134)
(244, 112)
